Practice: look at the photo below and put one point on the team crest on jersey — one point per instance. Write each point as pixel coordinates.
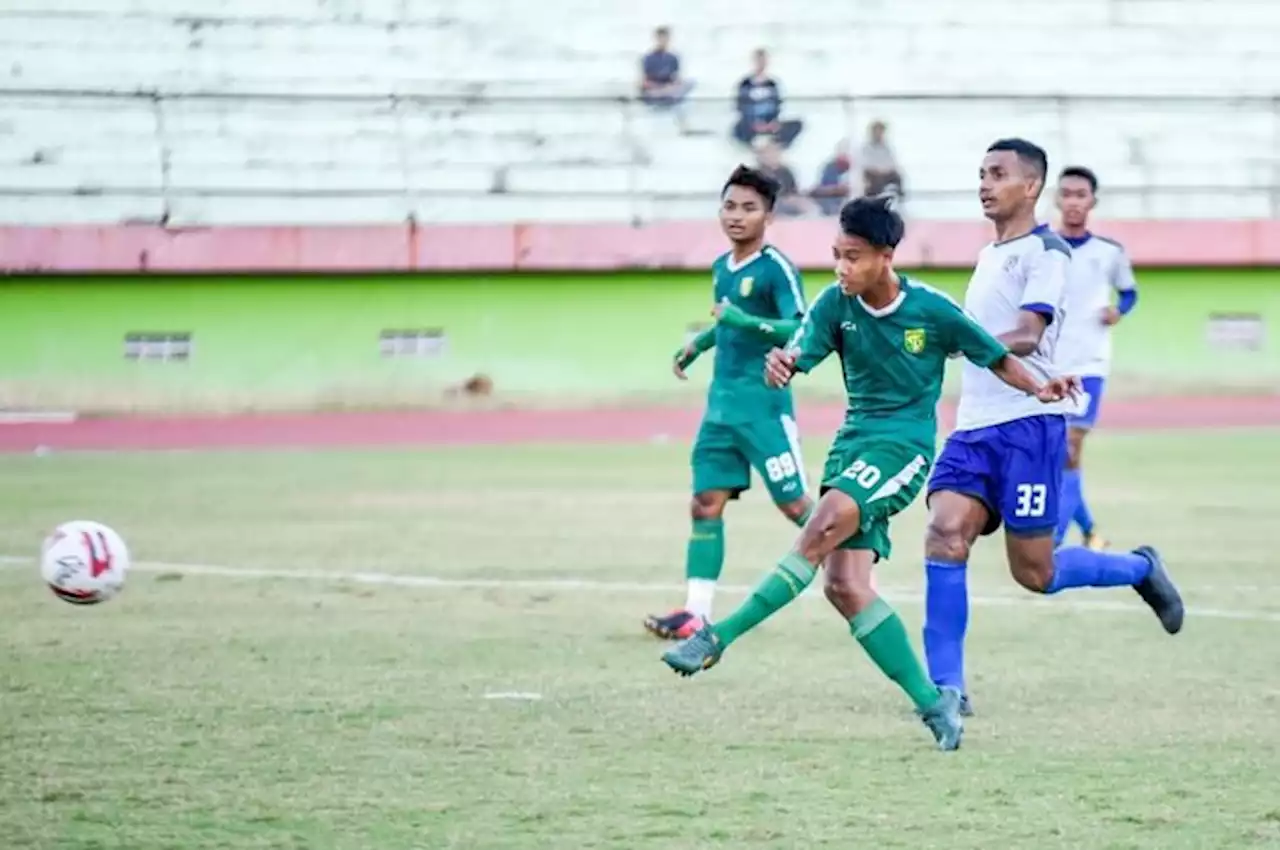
(913, 340)
(1011, 264)
(744, 288)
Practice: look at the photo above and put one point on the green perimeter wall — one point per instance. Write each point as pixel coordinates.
(277, 342)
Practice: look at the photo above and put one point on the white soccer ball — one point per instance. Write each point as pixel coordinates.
(84, 562)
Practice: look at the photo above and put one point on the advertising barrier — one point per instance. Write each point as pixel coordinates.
(350, 341)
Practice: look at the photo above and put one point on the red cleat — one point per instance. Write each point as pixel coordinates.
(677, 625)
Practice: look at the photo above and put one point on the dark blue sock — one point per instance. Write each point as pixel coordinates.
(1068, 504)
(1076, 566)
(946, 617)
(1082, 515)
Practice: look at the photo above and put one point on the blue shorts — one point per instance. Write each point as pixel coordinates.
(1014, 469)
(1093, 387)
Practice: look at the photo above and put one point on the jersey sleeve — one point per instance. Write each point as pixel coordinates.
(818, 333)
(788, 289)
(963, 336)
(1046, 283)
(1122, 279)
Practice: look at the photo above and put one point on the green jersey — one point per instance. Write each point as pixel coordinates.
(767, 285)
(894, 358)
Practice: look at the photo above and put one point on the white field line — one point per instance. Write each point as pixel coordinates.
(1070, 602)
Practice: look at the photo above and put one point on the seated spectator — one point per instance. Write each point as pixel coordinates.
(769, 161)
(833, 186)
(880, 172)
(660, 83)
(760, 107)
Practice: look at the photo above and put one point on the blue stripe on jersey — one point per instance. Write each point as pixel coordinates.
(1128, 298)
(1041, 309)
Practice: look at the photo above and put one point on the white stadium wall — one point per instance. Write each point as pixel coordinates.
(304, 111)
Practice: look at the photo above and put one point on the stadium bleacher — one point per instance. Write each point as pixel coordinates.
(218, 111)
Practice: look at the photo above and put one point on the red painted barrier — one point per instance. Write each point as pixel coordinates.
(507, 247)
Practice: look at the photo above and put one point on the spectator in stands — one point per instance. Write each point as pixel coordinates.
(880, 172)
(769, 160)
(760, 107)
(833, 186)
(661, 85)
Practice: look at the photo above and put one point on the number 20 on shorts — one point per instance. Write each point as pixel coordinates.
(864, 473)
(1031, 498)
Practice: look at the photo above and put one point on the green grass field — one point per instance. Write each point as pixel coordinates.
(285, 711)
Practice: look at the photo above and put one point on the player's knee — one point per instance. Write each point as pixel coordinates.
(706, 506)
(848, 594)
(945, 540)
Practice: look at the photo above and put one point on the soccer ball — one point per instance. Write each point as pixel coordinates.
(84, 562)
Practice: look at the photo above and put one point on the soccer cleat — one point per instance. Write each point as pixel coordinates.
(966, 707)
(944, 720)
(1159, 591)
(699, 651)
(677, 625)
(1096, 542)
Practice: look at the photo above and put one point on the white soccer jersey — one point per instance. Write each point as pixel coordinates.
(1098, 266)
(1027, 273)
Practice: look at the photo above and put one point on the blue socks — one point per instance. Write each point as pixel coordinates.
(946, 600)
(1072, 507)
(1082, 515)
(946, 617)
(1076, 566)
(1069, 502)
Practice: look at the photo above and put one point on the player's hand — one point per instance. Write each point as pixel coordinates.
(684, 357)
(1111, 316)
(779, 367)
(1059, 389)
(718, 309)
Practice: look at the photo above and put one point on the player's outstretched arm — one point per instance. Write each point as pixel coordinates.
(812, 342)
(703, 342)
(1012, 372)
(778, 331)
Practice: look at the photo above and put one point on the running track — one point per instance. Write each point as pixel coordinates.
(427, 428)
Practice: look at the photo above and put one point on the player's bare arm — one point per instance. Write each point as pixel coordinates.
(1025, 338)
(1017, 376)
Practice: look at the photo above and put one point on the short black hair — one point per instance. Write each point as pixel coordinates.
(1029, 153)
(662, 30)
(873, 220)
(1083, 173)
(753, 178)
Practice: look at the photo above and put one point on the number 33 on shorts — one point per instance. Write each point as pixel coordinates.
(1031, 500)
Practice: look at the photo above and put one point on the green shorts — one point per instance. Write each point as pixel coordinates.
(882, 476)
(725, 453)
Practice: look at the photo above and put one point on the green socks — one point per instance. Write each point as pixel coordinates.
(881, 633)
(703, 562)
(791, 576)
(705, 556)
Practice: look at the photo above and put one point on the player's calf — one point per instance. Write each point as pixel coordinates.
(798, 511)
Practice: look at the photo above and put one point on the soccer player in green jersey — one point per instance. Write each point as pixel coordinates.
(759, 302)
(894, 336)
